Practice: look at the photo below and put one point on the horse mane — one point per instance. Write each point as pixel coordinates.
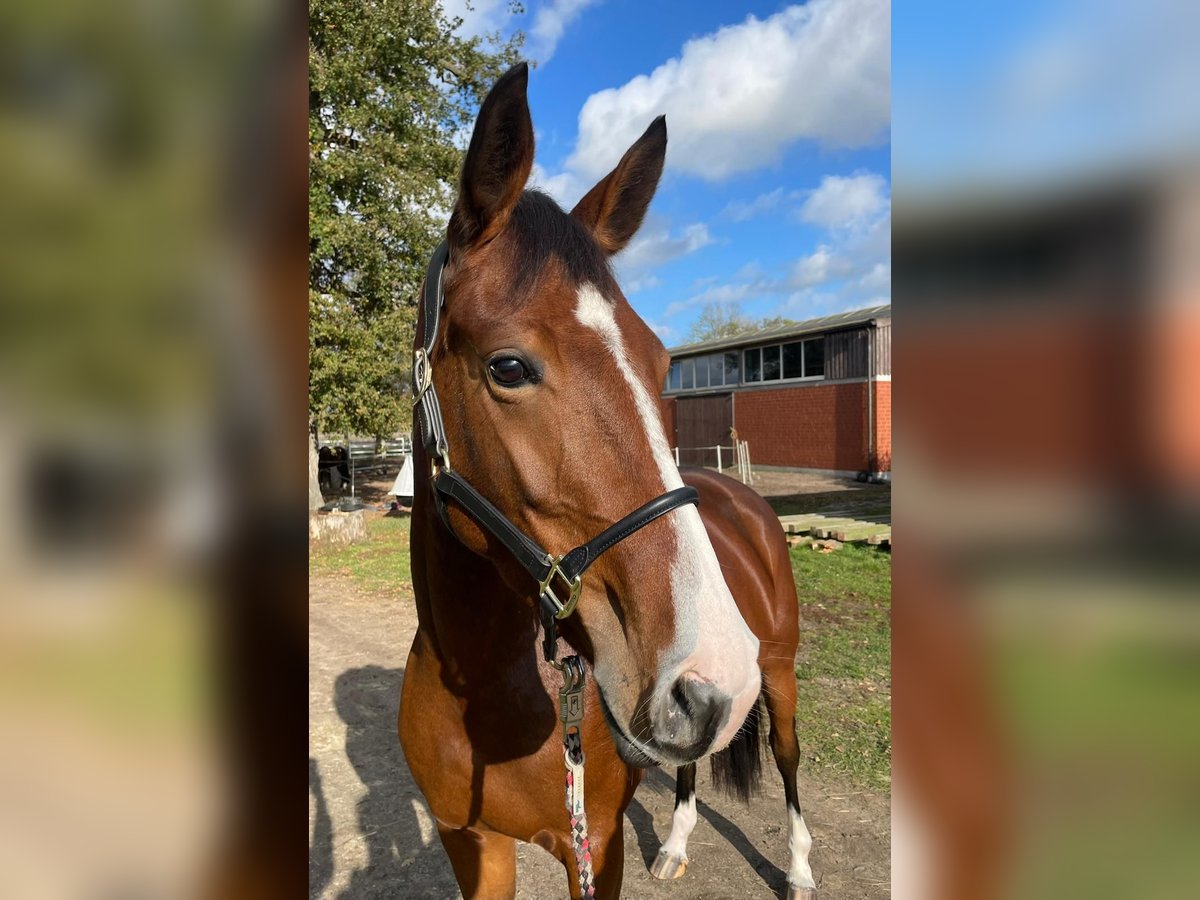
(737, 770)
(541, 229)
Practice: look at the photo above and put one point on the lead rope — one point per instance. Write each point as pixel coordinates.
(571, 713)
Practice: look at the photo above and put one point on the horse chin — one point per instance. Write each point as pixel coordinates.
(630, 753)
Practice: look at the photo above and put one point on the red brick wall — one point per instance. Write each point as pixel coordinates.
(1048, 394)
(817, 427)
(883, 426)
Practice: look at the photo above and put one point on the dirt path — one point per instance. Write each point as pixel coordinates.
(373, 837)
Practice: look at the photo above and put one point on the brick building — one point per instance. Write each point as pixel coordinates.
(814, 395)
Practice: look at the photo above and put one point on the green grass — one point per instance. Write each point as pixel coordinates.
(843, 669)
(379, 563)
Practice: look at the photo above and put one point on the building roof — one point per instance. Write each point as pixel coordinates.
(785, 332)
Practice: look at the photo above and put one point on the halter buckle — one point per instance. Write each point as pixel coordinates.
(439, 462)
(422, 374)
(573, 585)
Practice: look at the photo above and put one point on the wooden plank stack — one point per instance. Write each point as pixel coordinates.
(822, 527)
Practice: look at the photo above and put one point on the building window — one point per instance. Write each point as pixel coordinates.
(793, 360)
(785, 362)
(814, 358)
(770, 363)
(754, 365)
(716, 370)
(732, 358)
(778, 362)
(699, 372)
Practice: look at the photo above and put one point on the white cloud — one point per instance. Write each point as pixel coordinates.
(810, 303)
(845, 202)
(750, 271)
(819, 267)
(736, 98)
(855, 211)
(655, 245)
(741, 210)
(850, 268)
(665, 333)
(479, 16)
(858, 260)
(637, 285)
(880, 276)
(731, 293)
(550, 22)
(565, 187)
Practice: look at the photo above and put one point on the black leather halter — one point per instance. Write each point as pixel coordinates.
(567, 570)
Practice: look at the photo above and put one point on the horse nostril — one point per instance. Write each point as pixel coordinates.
(692, 715)
(680, 695)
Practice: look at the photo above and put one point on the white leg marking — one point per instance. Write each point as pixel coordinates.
(799, 843)
(725, 649)
(915, 866)
(682, 823)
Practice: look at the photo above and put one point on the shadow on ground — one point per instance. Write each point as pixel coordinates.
(399, 862)
(643, 824)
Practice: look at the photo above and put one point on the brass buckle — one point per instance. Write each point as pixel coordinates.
(438, 463)
(573, 585)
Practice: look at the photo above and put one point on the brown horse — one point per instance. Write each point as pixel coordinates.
(548, 380)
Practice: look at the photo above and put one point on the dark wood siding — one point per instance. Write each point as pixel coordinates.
(883, 348)
(702, 422)
(846, 354)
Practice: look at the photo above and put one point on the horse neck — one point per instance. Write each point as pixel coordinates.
(477, 623)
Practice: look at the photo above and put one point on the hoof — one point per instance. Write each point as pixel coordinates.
(795, 893)
(666, 867)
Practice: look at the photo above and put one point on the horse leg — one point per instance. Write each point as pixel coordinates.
(607, 848)
(484, 862)
(779, 686)
(672, 858)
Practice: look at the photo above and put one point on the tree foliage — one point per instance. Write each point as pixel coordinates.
(718, 321)
(393, 91)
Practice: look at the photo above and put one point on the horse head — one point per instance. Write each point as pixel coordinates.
(550, 381)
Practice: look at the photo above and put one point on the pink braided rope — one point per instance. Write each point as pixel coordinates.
(579, 827)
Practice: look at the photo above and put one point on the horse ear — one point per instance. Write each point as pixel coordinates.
(614, 208)
(498, 161)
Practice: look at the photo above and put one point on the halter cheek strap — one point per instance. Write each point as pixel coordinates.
(555, 575)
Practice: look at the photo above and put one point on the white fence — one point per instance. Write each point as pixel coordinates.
(720, 455)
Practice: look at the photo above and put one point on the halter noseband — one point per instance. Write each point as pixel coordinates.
(552, 573)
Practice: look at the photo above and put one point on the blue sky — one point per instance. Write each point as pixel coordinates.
(1031, 95)
(776, 198)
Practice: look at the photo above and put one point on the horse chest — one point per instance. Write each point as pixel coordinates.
(492, 756)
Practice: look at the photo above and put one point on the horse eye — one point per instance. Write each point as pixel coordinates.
(508, 371)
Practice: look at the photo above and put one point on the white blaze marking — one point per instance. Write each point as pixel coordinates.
(598, 314)
(725, 651)
(799, 843)
(682, 823)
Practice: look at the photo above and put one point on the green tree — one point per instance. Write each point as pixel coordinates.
(718, 321)
(393, 92)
